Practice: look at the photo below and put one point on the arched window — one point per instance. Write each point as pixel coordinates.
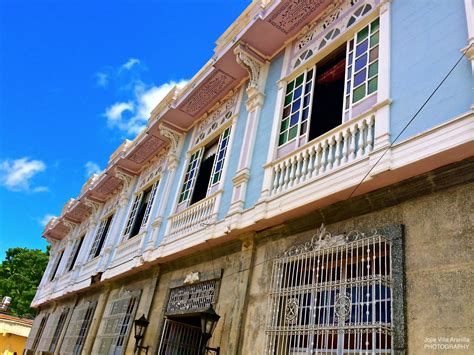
(361, 11)
(329, 36)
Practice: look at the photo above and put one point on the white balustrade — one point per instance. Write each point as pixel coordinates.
(193, 218)
(340, 146)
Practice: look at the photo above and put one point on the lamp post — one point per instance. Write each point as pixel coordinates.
(209, 319)
(140, 326)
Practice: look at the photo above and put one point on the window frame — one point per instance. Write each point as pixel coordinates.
(99, 235)
(56, 264)
(197, 153)
(311, 63)
(74, 253)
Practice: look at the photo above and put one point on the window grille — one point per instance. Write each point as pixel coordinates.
(192, 298)
(57, 331)
(49, 330)
(117, 323)
(39, 332)
(332, 295)
(179, 338)
(100, 237)
(78, 328)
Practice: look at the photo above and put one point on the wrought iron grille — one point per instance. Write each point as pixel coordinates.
(192, 297)
(116, 324)
(179, 338)
(332, 295)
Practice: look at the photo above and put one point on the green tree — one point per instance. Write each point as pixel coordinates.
(20, 275)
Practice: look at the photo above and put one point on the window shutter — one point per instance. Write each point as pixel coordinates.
(72, 255)
(78, 328)
(149, 204)
(34, 331)
(57, 332)
(132, 215)
(117, 323)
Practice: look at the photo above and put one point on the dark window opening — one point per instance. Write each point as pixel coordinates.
(328, 93)
(204, 175)
(137, 223)
(76, 253)
(102, 237)
(56, 266)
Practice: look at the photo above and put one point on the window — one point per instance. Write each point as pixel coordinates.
(74, 253)
(78, 328)
(140, 212)
(204, 170)
(55, 267)
(117, 323)
(316, 100)
(39, 332)
(57, 331)
(100, 237)
(332, 295)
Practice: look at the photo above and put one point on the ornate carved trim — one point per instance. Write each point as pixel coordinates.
(251, 63)
(324, 239)
(124, 177)
(69, 224)
(93, 205)
(174, 138)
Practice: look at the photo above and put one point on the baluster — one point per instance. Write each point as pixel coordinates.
(324, 156)
(274, 182)
(298, 162)
(304, 168)
(292, 162)
(345, 146)
(310, 166)
(353, 143)
(318, 157)
(332, 143)
(282, 176)
(361, 143)
(370, 130)
(287, 174)
(337, 154)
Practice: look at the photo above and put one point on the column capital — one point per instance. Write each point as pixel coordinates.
(175, 138)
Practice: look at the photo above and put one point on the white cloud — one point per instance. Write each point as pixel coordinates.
(131, 62)
(102, 79)
(16, 175)
(45, 220)
(145, 100)
(92, 168)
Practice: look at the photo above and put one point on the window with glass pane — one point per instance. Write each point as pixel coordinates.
(57, 262)
(297, 106)
(74, 253)
(219, 159)
(100, 237)
(333, 300)
(140, 211)
(39, 332)
(190, 177)
(362, 64)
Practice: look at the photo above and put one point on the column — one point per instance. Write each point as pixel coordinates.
(257, 68)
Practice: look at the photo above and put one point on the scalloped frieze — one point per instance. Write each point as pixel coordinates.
(111, 204)
(153, 169)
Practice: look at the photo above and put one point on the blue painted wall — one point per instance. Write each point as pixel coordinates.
(233, 154)
(264, 131)
(175, 186)
(427, 36)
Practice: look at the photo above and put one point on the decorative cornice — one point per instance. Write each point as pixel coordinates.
(93, 205)
(69, 224)
(468, 51)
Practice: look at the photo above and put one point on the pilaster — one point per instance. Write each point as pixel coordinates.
(257, 68)
(95, 324)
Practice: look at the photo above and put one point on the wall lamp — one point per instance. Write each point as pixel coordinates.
(140, 326)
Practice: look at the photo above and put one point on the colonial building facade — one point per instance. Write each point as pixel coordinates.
(283, 186)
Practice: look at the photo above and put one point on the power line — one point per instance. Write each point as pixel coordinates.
(386, 150)
(410, 121)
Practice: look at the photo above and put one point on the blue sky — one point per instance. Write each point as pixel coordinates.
(78, 77)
